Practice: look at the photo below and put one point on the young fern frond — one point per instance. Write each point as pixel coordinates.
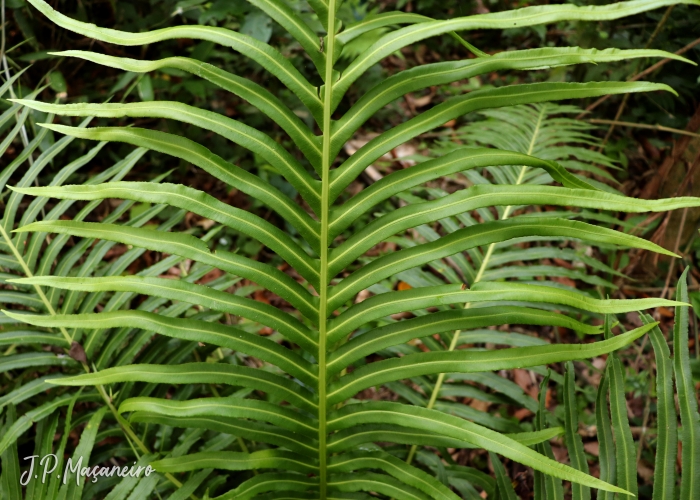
(308, 412)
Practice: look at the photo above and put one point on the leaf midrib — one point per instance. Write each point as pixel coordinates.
(326, 164)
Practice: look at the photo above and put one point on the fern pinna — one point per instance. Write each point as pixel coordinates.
(313, 438)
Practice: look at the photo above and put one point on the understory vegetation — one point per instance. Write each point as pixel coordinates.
(349, 249)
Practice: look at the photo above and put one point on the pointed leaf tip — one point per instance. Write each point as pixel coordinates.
(25, 190)
(64, 129)
(12, 314)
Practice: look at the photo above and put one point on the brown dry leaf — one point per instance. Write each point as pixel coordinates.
(423, 101)
(592, 447)
(593, 377)
(588, 431)
(404, 151)
(115, 251)
(650, 149)
(645, 472)
(560, 453)
(174, 272)
(206, 224)
(419, 102)
(633, 318)
(665, 312)
(362, 296)
(481, 8)
(266, 331)
(77, 352)
(402, 315)
(388, 246)
(477, 404)
(599, 363)
(522, 414)
(260, 296)
(356, 143)
(403, 286)
(525, 381)
(564, 281)
(398, 153)
(563, 263)
(211, 276)
(373, 174)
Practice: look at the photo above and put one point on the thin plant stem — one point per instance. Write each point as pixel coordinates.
(645, 421)
(675, 250)
(324, 253)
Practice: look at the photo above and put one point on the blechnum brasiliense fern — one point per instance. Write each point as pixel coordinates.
(321, 439)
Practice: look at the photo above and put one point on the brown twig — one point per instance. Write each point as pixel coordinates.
(656, 289)
(675, 250)
(660, 128)
(641, 75)
(623, 104)
(613, 122)
(658, 235)
(651, 189)
(689, 176)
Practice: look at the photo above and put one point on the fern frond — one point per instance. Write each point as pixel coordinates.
(295, 398)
